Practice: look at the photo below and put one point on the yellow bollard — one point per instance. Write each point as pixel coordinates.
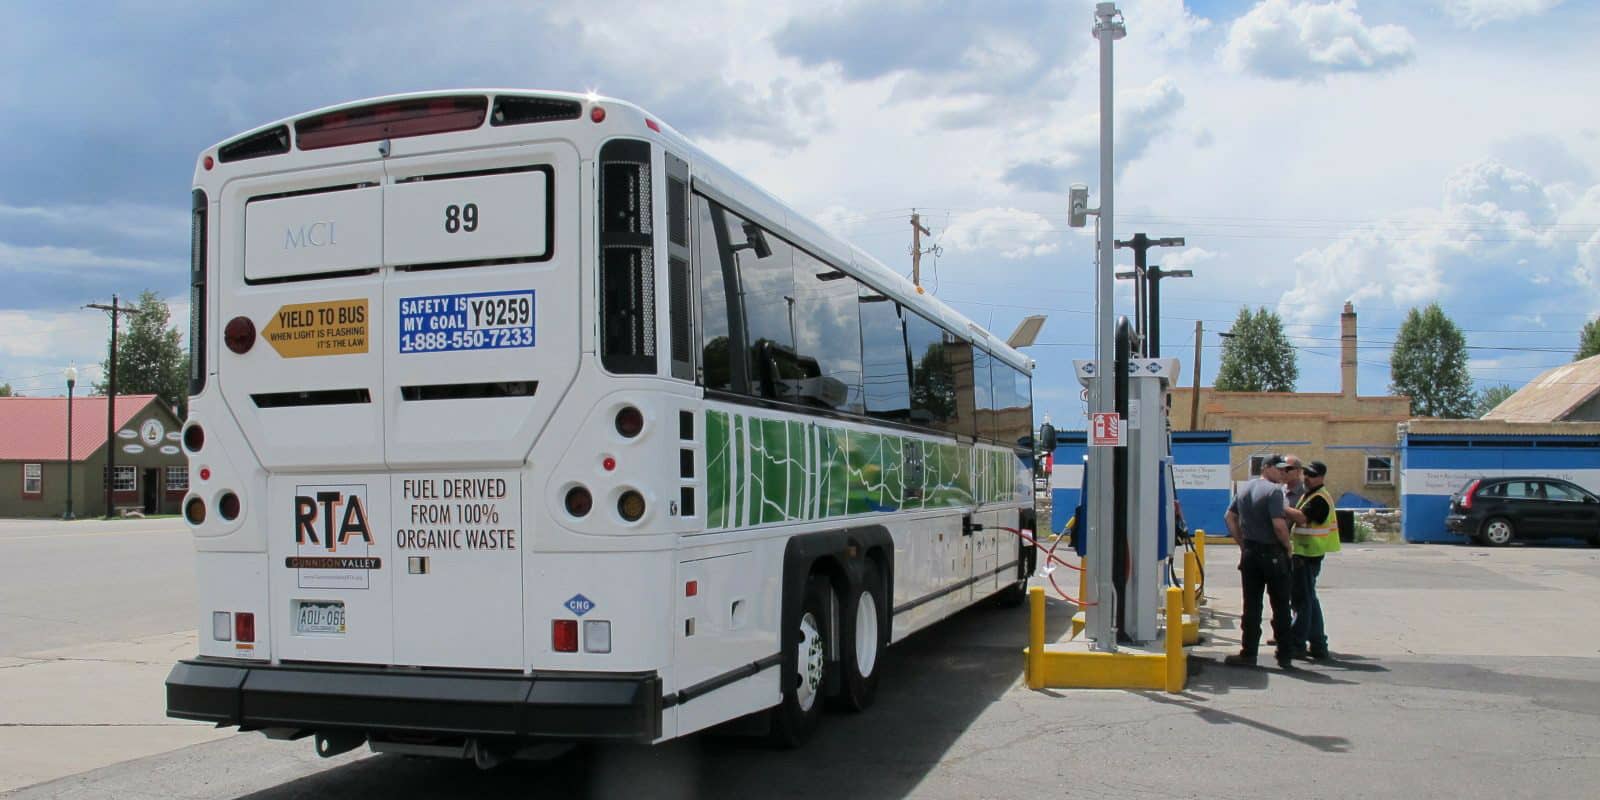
(1036, 637)
(1200, 546)
(1177, 663)
(1190, 573)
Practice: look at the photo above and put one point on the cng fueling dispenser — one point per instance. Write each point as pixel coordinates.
(1144, 522)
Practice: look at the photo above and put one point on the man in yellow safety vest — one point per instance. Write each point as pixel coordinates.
(1315, 534)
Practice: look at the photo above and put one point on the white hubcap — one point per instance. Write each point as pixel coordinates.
(809, 667)
(866, 634)
(1499, 532)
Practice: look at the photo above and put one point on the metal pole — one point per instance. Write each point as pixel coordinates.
(70, 383)
(1101, 617)
(1152, 345)
(111, 413)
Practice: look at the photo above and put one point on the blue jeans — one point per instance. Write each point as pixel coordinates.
(1307, 607)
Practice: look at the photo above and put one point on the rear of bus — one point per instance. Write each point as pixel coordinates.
(428, 501)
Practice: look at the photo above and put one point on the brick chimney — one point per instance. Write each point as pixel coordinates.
(1347, 346)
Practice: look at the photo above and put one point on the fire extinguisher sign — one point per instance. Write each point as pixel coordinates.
(1105, 429)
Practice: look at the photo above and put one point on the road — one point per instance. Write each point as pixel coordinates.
(1462, 672)
(88, 581)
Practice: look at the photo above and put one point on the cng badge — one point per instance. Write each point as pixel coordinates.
(333, 538)
(580, 605)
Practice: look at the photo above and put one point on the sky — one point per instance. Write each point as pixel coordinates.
(1390, 154)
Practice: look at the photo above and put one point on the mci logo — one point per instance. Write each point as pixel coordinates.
(316, 234)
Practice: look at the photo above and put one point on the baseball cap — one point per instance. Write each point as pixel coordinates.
(1275, 460)
(1316, 469)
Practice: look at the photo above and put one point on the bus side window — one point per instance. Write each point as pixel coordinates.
(721, 333)
(680, 306)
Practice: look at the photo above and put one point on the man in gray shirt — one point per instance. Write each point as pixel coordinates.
(1256, 522)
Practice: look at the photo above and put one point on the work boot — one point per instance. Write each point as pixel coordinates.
(1319, 654)
(1286, 661)
(1240, 660)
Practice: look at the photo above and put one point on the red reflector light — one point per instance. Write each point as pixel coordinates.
(391, 121)
(649, 123)
(597, 114)
(564, 635)
(609, 463)
(244, 627)
(1466, 496)
(209, 163)
(239, 335)
(691, 588)
(205, 473)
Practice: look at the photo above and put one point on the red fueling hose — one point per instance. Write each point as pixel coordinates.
(1050, 555)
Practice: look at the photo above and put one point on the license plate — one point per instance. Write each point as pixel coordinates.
(326, 617)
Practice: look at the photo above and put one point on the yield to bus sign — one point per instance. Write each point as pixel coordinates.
(580, 605)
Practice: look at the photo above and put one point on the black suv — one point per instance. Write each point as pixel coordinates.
(1497, 510)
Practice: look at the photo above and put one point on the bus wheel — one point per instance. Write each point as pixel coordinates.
(863, 642)
(806, 648)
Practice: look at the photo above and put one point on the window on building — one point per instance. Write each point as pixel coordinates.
(33, 479)
(1256, 462)
(1380, 470)
(177, 479)
(127, 479)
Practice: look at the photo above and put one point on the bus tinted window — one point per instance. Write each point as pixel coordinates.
(766, 284)
(1013, 400)
(716, 347)
(886, 386)
(983, 396)
(933, 376)
(828, 333)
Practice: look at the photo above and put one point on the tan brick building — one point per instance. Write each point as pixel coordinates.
(1355, 436)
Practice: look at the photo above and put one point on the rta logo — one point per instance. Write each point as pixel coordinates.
(315, 518)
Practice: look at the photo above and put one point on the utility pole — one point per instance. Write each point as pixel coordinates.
(1194, 397)
(1140, 244)
(111, 397)
(917, 232)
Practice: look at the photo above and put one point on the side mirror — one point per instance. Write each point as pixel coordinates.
(1047, 438)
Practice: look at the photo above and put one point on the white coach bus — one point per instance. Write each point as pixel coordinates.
(518, 419)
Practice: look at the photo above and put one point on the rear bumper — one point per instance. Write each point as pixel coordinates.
(539, 706)
(1461, 523)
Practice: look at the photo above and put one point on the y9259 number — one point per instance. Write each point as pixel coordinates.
(461, 218)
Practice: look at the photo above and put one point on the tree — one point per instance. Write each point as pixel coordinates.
(1258, 356)
(1490, 397)
(1429, 364)
(150, 356)
(5, 390)
(1589, 340)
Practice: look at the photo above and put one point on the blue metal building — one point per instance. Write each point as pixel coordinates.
(1200, 468)
(1437, 458)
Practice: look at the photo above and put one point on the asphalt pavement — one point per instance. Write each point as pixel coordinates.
(1460, 672)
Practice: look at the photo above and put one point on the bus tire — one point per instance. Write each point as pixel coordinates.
(1013, 595)
(805, 646)
(864, 639)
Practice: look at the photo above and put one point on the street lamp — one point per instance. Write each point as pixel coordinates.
(71, 375)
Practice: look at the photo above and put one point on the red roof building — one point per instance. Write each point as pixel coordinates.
(152, 473)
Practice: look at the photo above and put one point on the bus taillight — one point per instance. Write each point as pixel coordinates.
(564, 635)
(240, 335)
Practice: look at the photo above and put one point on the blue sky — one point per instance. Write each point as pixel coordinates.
(1388, 153)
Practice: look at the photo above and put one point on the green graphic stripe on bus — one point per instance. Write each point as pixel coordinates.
(762, 471)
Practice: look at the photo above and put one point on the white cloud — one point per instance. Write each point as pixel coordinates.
(1008, 231)
(1143, 115)
(1307, 41)
(1477, 13)
(1497, 239)
(48, 258)
(1165, 24)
